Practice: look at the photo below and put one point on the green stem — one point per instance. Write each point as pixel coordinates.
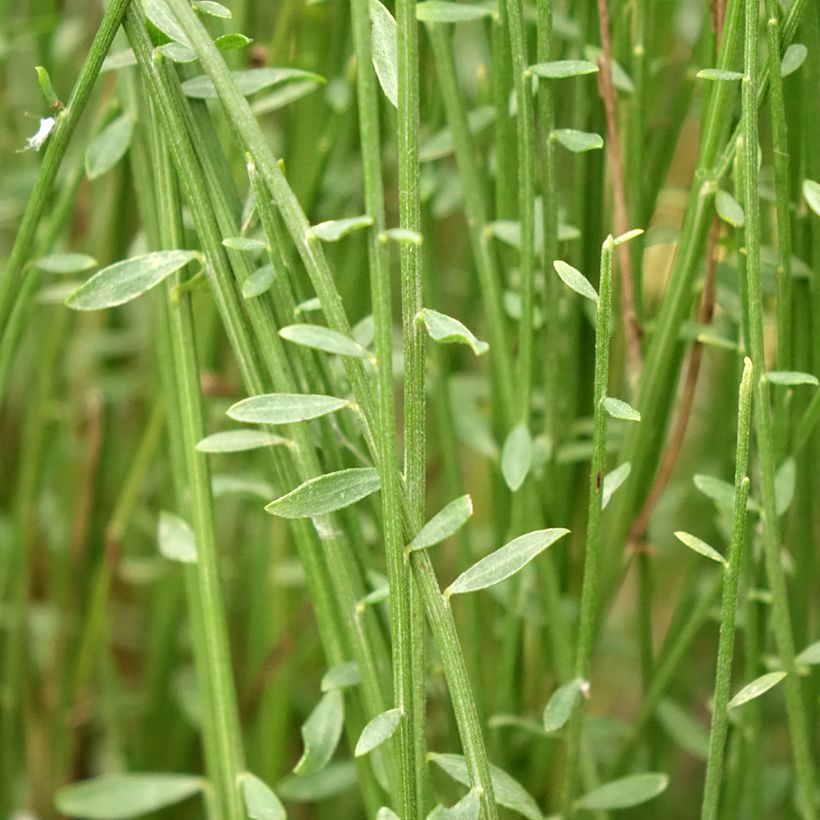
(781, 619)
(723, 672)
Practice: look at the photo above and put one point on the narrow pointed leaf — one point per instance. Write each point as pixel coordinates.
(683, 728)
(701, 547)
(729, 209)
(327, 493)
(321, 733)
(720, 491)
(516, 456)
(109, 146)
(810, 656)
(559, 69)
(784, 485)
(119, 796)
(158, 13)
(794, 57)
(238, 441)
(576, 280)
(447, 330)
(123, 281)
(335, 229)
(468, 808)
(505, 561)
(621, 410)
(385, 50)
(440, 11)
(578, 141)
(612, 481)
(791, 378)
(756, 688)
(261, 802)
(66, 263)
(258, 282)
(625, 793)
(324, 339)
(377, 731)
(560, 705)
(244, 243)
(628, 236)
(284, 408)
(249, 81)
(719, 74)
(176, 538)
(508, 791)
(342, 676)
(443, 524)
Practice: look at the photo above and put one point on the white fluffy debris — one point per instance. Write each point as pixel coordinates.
(35, 143)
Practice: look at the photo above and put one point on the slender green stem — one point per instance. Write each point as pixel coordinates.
(592, 555)
(781, 619)
(723, 673)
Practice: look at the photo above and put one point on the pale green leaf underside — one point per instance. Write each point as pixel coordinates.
(625, 792)
(377, 731)
(516, 457)
(321, 733)
(66, 262)
(109, 146)
(123, 281)
(810, 656)
(612, 481)
(719, 74)
(284, 408)
(794, 57)
(468, 808)
(701, 547)
(578, 141)
(322, 338)
(505, 561)
(756, 688)
(258, 282)
(811, 193)
(559, 69)
(445, 523)
(447, 330)
(244, 243)
(327, 493)
(176, 538)
(385, 50)
(250, 81)
(238, 441)
(342, 676)
(559, 706)
(439, 11)
(261, 802)
(619, 409)
(791, 378)
(729, 209)
(576, 280)
(335, 229)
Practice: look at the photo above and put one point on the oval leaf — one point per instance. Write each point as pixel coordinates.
(284, 408)
(109, 146)
(791, 378)
(620, 409)
(334, 229)
(794, 57)
(560, 705)
(446, 330)
(729, 209)
(720, 491)
(377, 731)
(66, 262)
(558, 69)
(238, 441)
(248, 82)
(321, 733)
(612, 481)
(784, 485)
(811, 193)
(626, 792)
(385, 50)
(443, 524)
(505, 561)
(756, 688)
(468, 808)
(576, 280)
(516, 456)
(176, 538)
(701, 547)
(719, 74)
(261, 803)
(508, 791)
(810, 656)
(258, 282)
(578, 141)
(324, 339)
(213, 9)
(244, 243)
(440, 11)
(342, 676)
(118, 796)
(123, 281)
(326, 493)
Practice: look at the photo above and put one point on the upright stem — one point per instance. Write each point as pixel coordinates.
(723, 673)
(592, 555)
(781, 619)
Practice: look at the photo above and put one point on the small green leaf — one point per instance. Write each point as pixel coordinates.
(66, 262)
(620, 409)
(176, 538)
(784, 485)
(440, 11)
(756, 688)
(508, 791)
(261, 803)
(719, 74)
(334, 779)
(177, 53)
(612, 481)
(721, 492)
(794, 57)
(377, 731)
(576, 280)
(441, 143)
(258, 282)
(335, 229)
(342, 676)
(791, 378)
(577, 141)
(558, 69)
(468, 808)
(402, 236)
(729, 209)
(321, 733)
(560, 705)
(234, 40)
(385, 813)
(284, 408)
(625, 793)
(161, 18)
(505, 561)
(322, 338)
(516, 456)
(443, 524)
(385, 50)
(701, 547)
(683, 729)
(238, 441)
(119, 796)
(810, 656)
(308, 306)
(118, 59)
(327, 493)
(283, 96)
(249, 81)
(244, 243)
(109, 146)
(123, 281)
(811, 193)
(213, 9)
(46, 88)
(446, 330)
